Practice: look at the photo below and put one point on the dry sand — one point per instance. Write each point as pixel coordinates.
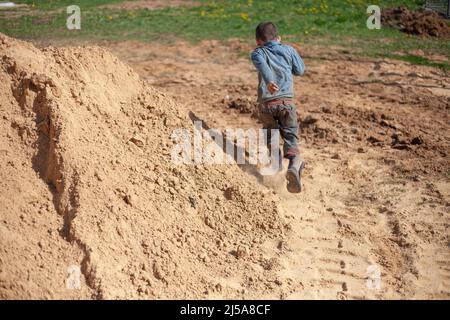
(86, 178)
(376, 138)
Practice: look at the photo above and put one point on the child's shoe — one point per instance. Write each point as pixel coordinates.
(294, 173)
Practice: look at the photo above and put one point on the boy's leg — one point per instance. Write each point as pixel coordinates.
(287, 119)
(269, 123)
(288, 124)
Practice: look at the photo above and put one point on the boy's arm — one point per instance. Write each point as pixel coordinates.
(298, 66)
(261, 65)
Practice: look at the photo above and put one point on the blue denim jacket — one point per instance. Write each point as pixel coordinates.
(277, 62)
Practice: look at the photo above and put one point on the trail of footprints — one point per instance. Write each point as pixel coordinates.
(444, 271)
(340, 272)
(437, 279)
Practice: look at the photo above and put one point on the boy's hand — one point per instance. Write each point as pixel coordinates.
(272, 87)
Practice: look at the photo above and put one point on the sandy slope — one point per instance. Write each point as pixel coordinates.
(87, 180)
(376, 138)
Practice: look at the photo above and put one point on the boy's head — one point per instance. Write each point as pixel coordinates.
(266, 31)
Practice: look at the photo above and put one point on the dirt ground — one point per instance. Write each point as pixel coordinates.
(421, 22)
(376, 138)
(86, 179)
(150, 5)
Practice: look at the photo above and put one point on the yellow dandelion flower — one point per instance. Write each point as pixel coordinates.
(245, 16)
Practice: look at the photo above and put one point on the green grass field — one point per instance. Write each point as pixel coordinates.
(324, 22)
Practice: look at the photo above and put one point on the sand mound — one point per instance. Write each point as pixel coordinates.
(86, 179)
(422, 22)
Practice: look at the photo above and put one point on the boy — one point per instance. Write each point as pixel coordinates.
(276, 64)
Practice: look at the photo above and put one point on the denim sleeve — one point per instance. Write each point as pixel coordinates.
(261, 65)
(298, 66)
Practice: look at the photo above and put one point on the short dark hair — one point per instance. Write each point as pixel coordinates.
(266, 31)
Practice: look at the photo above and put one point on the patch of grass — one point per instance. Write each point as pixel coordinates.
(327, 22)
(414, 59)
(58, 4)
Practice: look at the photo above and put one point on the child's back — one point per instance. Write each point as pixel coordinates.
(277, 63)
